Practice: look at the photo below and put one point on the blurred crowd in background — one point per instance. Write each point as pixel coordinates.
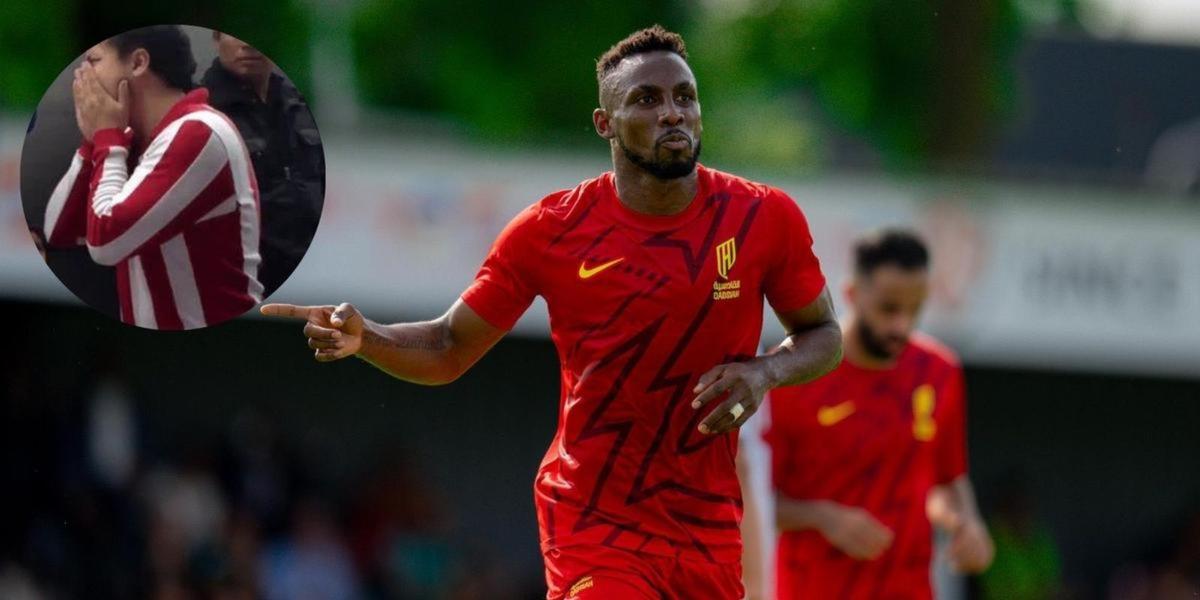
(107, 510)
(100, 503)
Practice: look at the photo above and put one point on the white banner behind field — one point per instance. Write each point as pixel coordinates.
(1023, 276)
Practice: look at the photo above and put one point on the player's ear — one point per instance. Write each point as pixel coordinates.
(850, 291)
(139, 62)
(602, 123)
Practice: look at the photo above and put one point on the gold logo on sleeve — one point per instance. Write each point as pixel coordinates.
(923, 401)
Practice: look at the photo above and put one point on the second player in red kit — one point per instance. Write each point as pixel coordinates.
(865, 457)
(655, 276)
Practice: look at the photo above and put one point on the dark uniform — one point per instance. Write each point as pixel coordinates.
(289, 164)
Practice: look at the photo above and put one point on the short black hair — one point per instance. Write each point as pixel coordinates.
(650, 39)
(890, 246)
(169, 49)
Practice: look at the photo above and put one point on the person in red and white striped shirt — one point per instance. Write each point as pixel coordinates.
(161, 188)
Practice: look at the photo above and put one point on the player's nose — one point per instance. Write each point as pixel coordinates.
(901, 327)
(670, 116)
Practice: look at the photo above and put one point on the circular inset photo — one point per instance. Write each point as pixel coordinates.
(172, 177)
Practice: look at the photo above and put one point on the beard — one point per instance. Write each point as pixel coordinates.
(873, 344)
(665, 169)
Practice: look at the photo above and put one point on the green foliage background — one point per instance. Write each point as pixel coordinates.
(39, 38)
(921, 80)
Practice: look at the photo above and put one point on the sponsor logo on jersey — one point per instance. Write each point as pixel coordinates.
(580, 585)
(923, 401)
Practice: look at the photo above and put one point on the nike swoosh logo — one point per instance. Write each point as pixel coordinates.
(832, 415)
(585, 273)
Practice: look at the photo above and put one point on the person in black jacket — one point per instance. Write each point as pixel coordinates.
(284, 146)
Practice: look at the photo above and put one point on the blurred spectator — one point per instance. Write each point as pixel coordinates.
(1173, 164)
(311, 563)
(1177, 577)
(256, 470)
(1027, 565)
(284, 146)
(17, 584)
(1181, 577)
(187, 504)
(243, 548)
(400, 535)
(112, 435)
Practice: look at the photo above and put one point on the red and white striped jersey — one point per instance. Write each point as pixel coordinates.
(180, 222)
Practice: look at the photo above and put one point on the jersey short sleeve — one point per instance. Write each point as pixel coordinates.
(794, 279)
(952, 442)
(503, 288)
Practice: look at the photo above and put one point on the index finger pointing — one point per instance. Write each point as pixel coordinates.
(289, 311)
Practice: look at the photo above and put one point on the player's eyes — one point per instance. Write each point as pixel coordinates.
(646, 100)
(684, 98)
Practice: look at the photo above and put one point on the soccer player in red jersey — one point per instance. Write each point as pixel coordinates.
(162, 187)
(654, 275)
(865, 458)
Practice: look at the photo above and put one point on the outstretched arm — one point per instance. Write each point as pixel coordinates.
(812, 348)
(430, 352)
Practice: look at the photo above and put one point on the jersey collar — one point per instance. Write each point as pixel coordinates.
(186, 104)
(656, 222)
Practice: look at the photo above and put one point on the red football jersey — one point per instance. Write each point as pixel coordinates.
(874, 439)
(641, 306)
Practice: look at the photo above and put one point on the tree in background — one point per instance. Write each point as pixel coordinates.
(36, 42)
(924, 80)
(512, 76)
(40, 38)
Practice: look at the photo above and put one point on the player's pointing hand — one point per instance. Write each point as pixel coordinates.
(333, 332)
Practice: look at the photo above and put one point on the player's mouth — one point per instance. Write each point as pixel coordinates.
(675, 141)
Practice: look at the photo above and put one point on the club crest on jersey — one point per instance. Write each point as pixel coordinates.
(726, 255)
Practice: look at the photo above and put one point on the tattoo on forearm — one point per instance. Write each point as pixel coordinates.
(404, 341)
